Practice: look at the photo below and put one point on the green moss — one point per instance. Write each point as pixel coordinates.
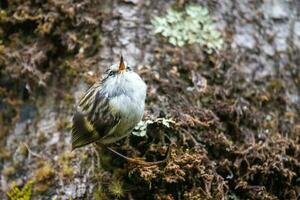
(99, 194)
(21, 194)
(67, 171)
(69, 99)
(193, 25)
(9, 171)
(63, 123)
(116, 188)
(23, 149)
(2, 47)
(3, 15)
(66, 157)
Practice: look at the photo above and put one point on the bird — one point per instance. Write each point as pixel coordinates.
(110, 109)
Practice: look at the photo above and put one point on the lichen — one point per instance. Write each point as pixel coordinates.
(141, 127)
(193, 25)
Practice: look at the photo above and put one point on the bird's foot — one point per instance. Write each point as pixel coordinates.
(141, 161)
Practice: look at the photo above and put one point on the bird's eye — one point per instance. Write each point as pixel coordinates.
(129, 68)
(111, 73)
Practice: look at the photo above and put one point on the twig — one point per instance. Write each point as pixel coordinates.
(32, 152)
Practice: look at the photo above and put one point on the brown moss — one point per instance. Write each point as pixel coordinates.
(41, 136)
(38, 49)
(189, 167)
(44, 172)
(40, 188)
(5, 153)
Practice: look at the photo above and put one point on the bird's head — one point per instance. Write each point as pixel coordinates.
(118, 69)
(120, 78)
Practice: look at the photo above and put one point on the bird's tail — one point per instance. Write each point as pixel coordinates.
(83, 132)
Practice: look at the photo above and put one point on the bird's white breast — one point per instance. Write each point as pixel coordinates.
(128, 102)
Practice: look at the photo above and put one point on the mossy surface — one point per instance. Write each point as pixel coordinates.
(21, 194)
(230, 118)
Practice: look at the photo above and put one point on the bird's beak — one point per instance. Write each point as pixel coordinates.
(122, 67)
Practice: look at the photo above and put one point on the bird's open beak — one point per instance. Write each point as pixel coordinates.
(122, 67)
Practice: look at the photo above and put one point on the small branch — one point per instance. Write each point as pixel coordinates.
(32, 152)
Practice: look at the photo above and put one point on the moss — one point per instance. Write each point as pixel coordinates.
(67, 171)
(5, 153)
(84, 156)
(2, 48)
(17, 194)
(40, 188)
(8, 171)
(41, 137)
(188, 167)
(38, 49)
(63, 124)
(44, 173)
(23, 150)
(116, 188)
(99, 195)
(66, 156)
(69, 99)
(227, 139)
(43, 177)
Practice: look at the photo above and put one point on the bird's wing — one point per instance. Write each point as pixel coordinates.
(93, 119)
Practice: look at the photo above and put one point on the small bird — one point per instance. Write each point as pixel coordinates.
(111, 108)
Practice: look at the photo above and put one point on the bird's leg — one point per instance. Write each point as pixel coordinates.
(139, 161)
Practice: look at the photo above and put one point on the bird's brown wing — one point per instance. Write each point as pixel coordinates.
(93, 119)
